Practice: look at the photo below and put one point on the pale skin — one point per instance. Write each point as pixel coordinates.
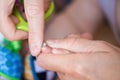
(34, 10)
(81, 16)
(82, 58)
(79, 57)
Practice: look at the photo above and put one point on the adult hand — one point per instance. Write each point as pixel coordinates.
(77, 58)
(34, 10)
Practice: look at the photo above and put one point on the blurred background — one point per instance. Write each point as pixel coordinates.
(57, 27)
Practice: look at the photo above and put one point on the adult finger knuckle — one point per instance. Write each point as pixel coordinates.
(34, 11)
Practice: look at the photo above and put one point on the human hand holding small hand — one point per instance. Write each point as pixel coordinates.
(77, 58)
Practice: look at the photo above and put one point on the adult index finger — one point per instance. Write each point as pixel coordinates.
(34, 10)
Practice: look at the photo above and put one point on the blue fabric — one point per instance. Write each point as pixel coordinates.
(33, 68)
(10, 63)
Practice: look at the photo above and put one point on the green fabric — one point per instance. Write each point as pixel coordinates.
(7, 77)
(14, 46)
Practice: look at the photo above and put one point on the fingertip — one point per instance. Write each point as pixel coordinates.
(35, 50)
(35, 44)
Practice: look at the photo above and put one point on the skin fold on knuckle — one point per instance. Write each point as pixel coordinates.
(33, 9)
(33, 12)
